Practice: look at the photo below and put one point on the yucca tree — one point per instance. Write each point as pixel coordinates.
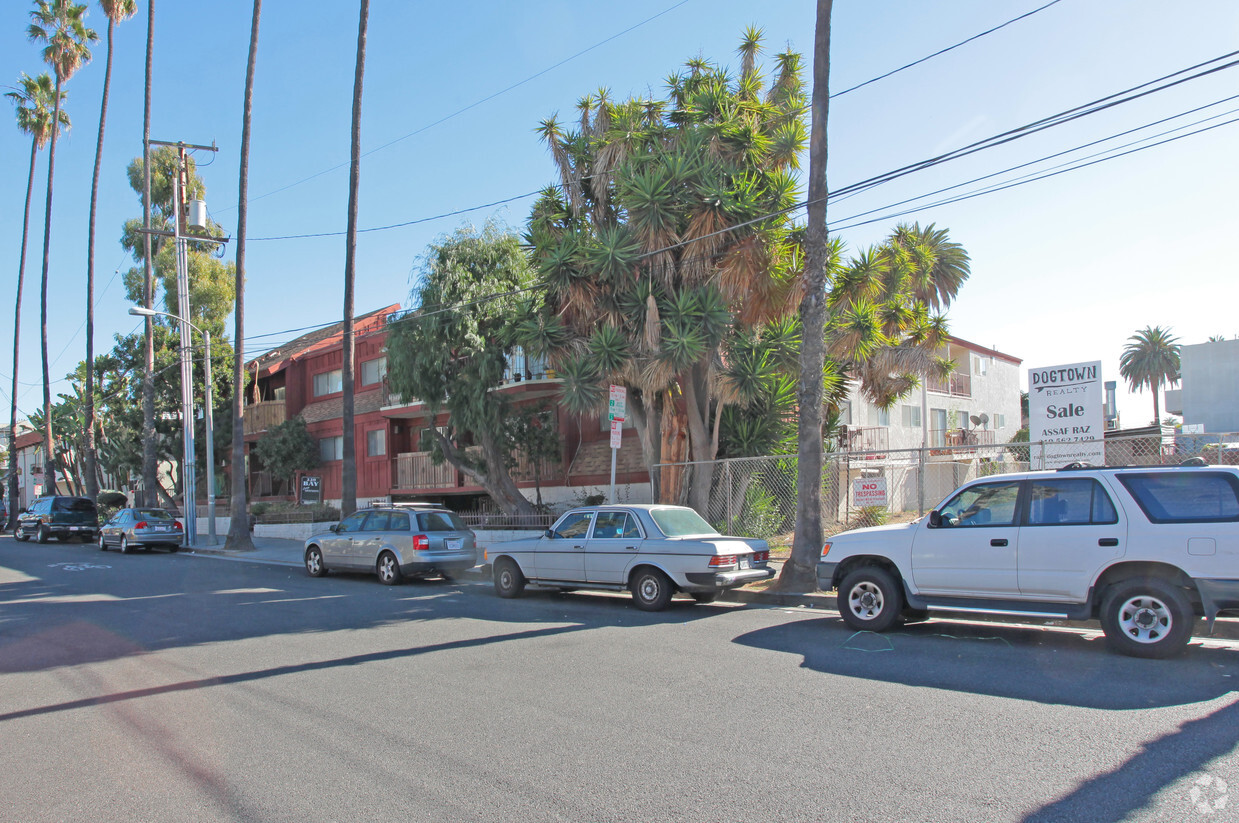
(668, 234)
(60, 26)
(35, 111)
(1150, 359)
(116, 12)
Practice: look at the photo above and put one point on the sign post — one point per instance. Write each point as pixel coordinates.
(617, 408)
(1065, 412)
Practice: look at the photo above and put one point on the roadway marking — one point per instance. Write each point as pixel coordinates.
(76, 567)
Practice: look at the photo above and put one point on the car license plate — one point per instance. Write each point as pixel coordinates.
(744, 562)
(455, 545)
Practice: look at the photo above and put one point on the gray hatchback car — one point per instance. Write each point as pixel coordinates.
(394, 542)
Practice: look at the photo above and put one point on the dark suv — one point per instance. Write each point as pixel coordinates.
(60, 517)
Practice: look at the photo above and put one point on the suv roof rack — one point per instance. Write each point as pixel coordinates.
(1078, 465)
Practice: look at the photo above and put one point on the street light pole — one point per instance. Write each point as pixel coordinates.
(187, 402)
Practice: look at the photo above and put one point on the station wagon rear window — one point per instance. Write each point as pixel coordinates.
(441, 522)
(1185, 496)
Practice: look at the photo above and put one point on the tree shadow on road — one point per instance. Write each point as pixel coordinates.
(1039, 664)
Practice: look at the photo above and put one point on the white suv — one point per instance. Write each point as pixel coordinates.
(1143, 549)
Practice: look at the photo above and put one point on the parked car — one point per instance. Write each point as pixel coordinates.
(653, 551)
(141, 529)
(1143, 549)
(58, 516)
(394, 542)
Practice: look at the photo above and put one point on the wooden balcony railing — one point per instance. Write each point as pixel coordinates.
(262, 416)
(416, 470)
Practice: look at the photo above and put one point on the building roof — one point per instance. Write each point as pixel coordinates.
(322, 339)
(984, 350)
(28, 439)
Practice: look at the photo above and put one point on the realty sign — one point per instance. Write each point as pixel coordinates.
(869, 491)
(1065, 411)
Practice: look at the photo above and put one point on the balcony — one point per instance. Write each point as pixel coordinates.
(960, 438)
(259, 417)
(417, 470)
(958, 384)
(864, 439)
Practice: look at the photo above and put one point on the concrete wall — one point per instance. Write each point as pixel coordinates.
(1210, 380)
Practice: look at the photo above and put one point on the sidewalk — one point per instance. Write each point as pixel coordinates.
(282, 552)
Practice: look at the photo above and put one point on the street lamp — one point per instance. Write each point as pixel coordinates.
(187, 403)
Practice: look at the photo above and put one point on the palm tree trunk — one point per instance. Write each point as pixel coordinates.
(150, 454)
(17, 321)
(50, 472)
(349, 493)
(800, 572)
(238, 525)
(697, 404)
(88, 443)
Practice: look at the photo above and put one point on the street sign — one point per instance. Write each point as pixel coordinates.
(617, 433)
(617, 405)
(311, 490)
(869, 491)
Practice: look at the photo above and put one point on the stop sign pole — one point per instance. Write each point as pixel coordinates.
(617, 407)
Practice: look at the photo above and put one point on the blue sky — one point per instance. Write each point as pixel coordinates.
(1063, 269)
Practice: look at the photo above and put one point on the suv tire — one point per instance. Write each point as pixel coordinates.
(42, 535)
(870, 599)
(1147, 617)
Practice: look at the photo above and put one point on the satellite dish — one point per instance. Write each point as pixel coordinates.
(984, 418)
(976, 421)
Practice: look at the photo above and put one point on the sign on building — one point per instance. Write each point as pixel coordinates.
(1066, 412)
(869, 491)
(311, 489)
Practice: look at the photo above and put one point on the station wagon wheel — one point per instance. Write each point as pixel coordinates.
(389, 569)
(314, 562)
(651, 590)
(509, 582)
(870, 599)
(1147, 617)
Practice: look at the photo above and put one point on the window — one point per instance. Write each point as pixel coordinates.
(378, 522)
(1184, 497)
(1071, 501)
(980, 365)
(845, 412)
(441, 522)
(999, 420)
(612, 525)
(574, 525)
(879, 417)
(328, 382)
(373, 371)
(352, 523)
(911, 416)
(376, 443)
(331, 448)
(681, 522)
(964, 420)
(987, 504)
(399, 522)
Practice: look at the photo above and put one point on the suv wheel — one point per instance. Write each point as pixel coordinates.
(870, 599)
(43, 535)
(1147, 617)
(19, 534)
(651, 590)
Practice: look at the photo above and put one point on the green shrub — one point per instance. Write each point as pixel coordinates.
(258, 509)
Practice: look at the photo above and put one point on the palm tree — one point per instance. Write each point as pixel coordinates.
(349, 494)
(1150, 358)
(58, 24)
(116, 11)
(238, 526)
(34, 117)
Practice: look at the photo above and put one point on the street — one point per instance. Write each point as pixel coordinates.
(156, 686)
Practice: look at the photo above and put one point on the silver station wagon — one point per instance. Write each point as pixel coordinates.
(394, 542)
(653, 551)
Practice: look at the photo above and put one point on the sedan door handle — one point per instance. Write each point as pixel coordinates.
(630, 548)
(1108, 541)
(579, 548)
(998, 541)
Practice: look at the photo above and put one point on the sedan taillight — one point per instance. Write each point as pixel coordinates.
(761, 557)
(722, 560)
(177, 523)
(141, 524)
(420, 542)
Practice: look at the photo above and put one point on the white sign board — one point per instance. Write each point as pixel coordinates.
(617, 405)
(869, 491)
(617, 433)
(1193, 428)
(1065, 411)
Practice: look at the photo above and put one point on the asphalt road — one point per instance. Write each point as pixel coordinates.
(167, 687)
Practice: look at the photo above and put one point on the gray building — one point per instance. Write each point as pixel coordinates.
(1209, 393)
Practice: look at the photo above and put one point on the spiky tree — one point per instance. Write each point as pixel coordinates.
(238, 526)
(667, 234)
(116, 12)
(1149, 360)
(35, 112)
(60, 26)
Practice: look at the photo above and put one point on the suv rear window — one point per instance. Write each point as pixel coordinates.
(1185, 496)
(72, 504)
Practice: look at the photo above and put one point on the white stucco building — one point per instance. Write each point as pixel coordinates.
(1210, 386)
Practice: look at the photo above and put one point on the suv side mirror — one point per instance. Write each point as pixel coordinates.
(935, 519)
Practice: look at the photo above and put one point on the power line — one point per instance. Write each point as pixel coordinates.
(943, 51)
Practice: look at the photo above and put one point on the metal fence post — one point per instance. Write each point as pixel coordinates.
(920, 482)
(730, 492)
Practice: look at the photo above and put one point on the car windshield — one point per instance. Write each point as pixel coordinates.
(681, 523)
(153, 514)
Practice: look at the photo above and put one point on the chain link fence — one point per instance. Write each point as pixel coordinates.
(756, 496)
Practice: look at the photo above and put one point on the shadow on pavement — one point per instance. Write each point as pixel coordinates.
(1043, 665)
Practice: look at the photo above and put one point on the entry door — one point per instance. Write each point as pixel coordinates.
(611, 549)
(1071, 531)
(562, 556)
(973, 552)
